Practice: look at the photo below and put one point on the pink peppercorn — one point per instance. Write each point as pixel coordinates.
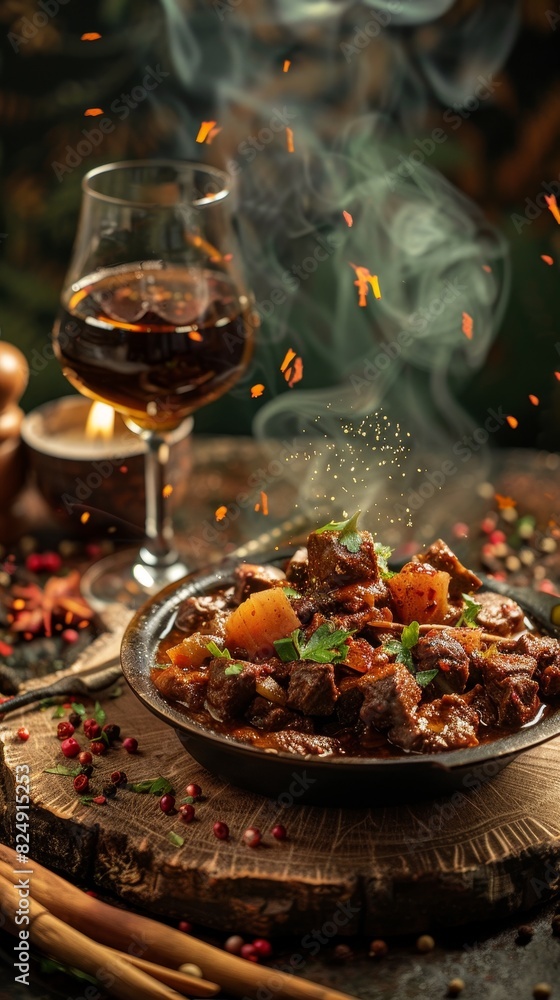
(100, 800)
(234, 944)
(496, 537)
(64, 730)
(23, 734)
(92, 729)
(262, 947)
(98, 748)
(195, 791)
(185, 926)
(70, 747)
(279, 832)
(34, 562)
(248, 952)
(252, 836)
(167, 803)
(221, 831)
(130, 744)
(51, 562)
(85, 758)
(81, 783)
(186, 812)
(70, 636)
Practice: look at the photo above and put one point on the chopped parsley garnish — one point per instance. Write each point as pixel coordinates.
(469, 613)
(217, 653)
(175, 839)
(327, 644)
(383, 553)
(424, 677)
(401, 647)
(100, 714)
(290, 592)
(349, 536)
(58, 713)
(236, 668)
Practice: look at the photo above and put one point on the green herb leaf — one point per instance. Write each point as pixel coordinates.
(327, 644)
(85, 800)
(117, 691)
(469, 613)
(290, 592)
(383, 553)
(160, 666)
(424, 677)
(187, 801)
(410, 635)
(232, 671)
(70, 772)
(349, 535)
(151, 786)
(79, 709)
(286, 649)
(218, 653)
(175, 839)
(100, 714)
(400, 648)
(58, 712)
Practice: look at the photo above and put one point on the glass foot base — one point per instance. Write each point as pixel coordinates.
(123, 579)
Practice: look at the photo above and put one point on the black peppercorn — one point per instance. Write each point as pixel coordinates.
(109, 791)
(113, 731)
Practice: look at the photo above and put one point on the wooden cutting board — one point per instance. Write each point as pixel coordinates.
(479, 854)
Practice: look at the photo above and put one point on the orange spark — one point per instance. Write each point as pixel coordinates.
(295, 374)
(195, 335)
(85, 517)
(513, 422)
(534, 399)
(257, 390)
(290, 140)
(547, 259)
(348, 219)
(552, 206)
(167, 491)
(263, 504)
(467, 326)
(93, 112)
(363, 278)
(557, 375)
(212, 135)
(487, 268)
(286, 66)
(288, 358)
(204, 131)
(220, 513)
(504, 502)
(374, 282)
(18, 604)
(90, 36)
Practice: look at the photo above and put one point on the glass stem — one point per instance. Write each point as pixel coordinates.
(158, 548)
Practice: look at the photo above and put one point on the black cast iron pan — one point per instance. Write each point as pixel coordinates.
(290, 778)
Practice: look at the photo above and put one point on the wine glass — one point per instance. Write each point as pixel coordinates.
(156, 321)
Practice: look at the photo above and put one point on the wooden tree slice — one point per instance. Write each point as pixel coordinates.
(477, 854)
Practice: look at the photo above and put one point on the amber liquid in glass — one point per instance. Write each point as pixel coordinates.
(155, 342)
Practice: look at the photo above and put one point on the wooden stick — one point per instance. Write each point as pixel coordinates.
(180, 981)
(163, 944)
(69, 946)
(486, 636)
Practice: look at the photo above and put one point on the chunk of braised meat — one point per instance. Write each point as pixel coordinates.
(390, 696)
(296, 570)
(265, 715)
(360, 596)
(509, 685)
(477, 698)
(229, 694)
(357, 621)
(331, 565)
(448, 723)
(251, 577)
(312, 689)
(309, 605)
(198, 611)
(361, 656)
(546, 652)
(303, 744)
(350, 701)
(438, 650)
(187, 686)
(499, 615)
(441, 557)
